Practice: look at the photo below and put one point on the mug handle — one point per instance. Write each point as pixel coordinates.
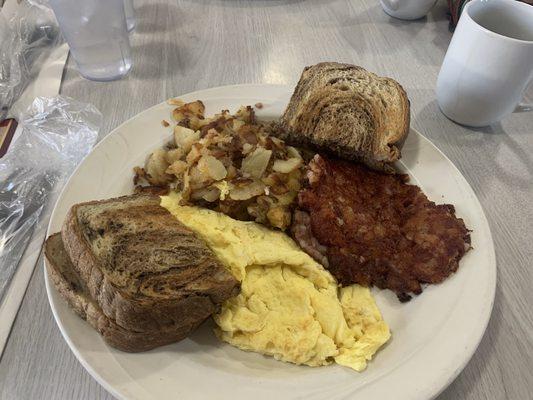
(392, 4)
(523, 107)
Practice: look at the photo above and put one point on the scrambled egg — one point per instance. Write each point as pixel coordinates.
(289, 306)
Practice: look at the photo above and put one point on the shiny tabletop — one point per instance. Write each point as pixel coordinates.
(181, 46)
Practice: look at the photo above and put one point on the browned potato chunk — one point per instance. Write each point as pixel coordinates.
(177, 168)
(156, 167)
(189, 110)
(246, 192)
(255, 163)
(279, 217)
(174, 155)
(195, 108)
(185, 138)
(212, 168)
(286, 166)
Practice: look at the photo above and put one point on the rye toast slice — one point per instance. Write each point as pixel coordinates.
(72, 289)
(344, 110)
(142, 267)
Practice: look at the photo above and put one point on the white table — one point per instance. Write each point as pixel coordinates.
(184, 45)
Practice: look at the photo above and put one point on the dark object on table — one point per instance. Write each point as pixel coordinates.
(374, 229)
(456, 7)
(7, 130)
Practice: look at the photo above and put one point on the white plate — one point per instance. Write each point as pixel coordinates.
(433, 336)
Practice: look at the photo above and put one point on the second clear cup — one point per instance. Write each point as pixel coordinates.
(97, 35)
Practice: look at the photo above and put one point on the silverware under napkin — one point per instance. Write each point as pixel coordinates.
(23, 196)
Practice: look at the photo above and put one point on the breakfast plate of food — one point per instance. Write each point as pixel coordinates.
(260, 240)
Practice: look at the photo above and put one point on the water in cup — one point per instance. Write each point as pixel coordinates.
(97, 35)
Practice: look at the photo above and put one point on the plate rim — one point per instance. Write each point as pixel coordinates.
(430, 393)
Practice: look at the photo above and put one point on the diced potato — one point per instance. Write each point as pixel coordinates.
(196, 108)
(277, 142)
(256, 163)
(212, 168)
(279, 189)
(156, 167)
(204, 151)
(177, 115)
(224, 188)
(202, 122)
(258, 211)
(174, 155)
(247, 148)
(209, 194)
(197, 178)
(194, 154)
(275, 179)
(194, 112)
(245, 114)
(186, 192)
(293, 184)
(286, 166)
(225, 114)
(185, 137)
(232, 172)
(250, 135)
(279, 217)
(222, 140)
(195, 123)
(177, 168)
(246, 192)
(286, 198)
(293, 152)
(237, 124)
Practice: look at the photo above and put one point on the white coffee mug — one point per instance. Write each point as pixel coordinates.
(489, 63)
(407, 9)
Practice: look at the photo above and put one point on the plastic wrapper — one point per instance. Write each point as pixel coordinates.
(28, 35)
(57, 133)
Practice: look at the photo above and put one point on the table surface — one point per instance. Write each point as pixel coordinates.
(184, 45)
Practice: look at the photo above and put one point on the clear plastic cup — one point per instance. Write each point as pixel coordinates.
(130, 14)
(97, 35)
